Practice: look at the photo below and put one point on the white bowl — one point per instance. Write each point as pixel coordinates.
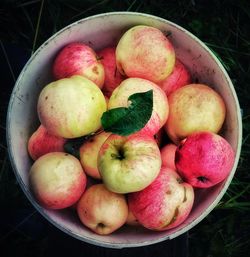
(101, 31)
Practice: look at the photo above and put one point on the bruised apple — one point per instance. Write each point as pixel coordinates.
(78, 59)
(128, 164)
(204, 159)
(120, 95)
(164, 204)
(113, 77)
(179, 77)
(57, 180)
(71, 107)
(89, 153)
(101, 210)
(42, 142)
(193, 108)
(145, 52)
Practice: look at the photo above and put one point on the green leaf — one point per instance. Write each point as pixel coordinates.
(127, 120)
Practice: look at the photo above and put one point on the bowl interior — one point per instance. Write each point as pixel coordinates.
(98, 32)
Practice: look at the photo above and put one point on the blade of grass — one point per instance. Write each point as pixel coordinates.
(37, 27)
(8, 62)
(89, 9)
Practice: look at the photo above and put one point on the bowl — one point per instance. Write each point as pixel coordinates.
(100, 31)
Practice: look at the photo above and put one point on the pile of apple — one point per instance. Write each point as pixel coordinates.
(138, 178)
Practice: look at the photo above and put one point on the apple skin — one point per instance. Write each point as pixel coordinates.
(164, 204)
(113, 77)
(57, 180)
(193, 108)
(89, 153)
(179, 77)
(42, 142)
(101, 210)
(71, 107)
(78, 59)
(128, 164)
(145, 52)
(131, 219)
(204, 159)
(168, 156)
(120, 95)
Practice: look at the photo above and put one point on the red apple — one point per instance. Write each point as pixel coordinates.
(78, 59)
(164, 204)
(168, 156)
(145, 52)
(204, 159)
(179, 77)
(57, 180)
(42, 142)
(113, 77)
(101, 210)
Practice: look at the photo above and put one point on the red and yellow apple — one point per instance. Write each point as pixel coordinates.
(101, 210)
(164, 204)
(192, 108)
(179, 77)
(71, 107)
(57, 180)
(89, 153)
(145, 52)
(42, 142)
(78, 59)
(128, 164)
(113, 77)
(120, 95)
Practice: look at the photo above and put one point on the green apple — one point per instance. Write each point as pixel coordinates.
(129, 164)
(71, 107)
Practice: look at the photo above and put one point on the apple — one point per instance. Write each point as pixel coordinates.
(71, 107)
(113, 77)
(168, 156)
(89, 153)
(192, 108)
(145, 52)
(179, 77)
(120, 95)
(42, 142)
(131, 219)
(78, 59)
(164, 204)
(128, 164)
(204, 159)
(57, 180)
(101, 210)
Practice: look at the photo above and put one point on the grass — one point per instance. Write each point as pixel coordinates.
(222, 25)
